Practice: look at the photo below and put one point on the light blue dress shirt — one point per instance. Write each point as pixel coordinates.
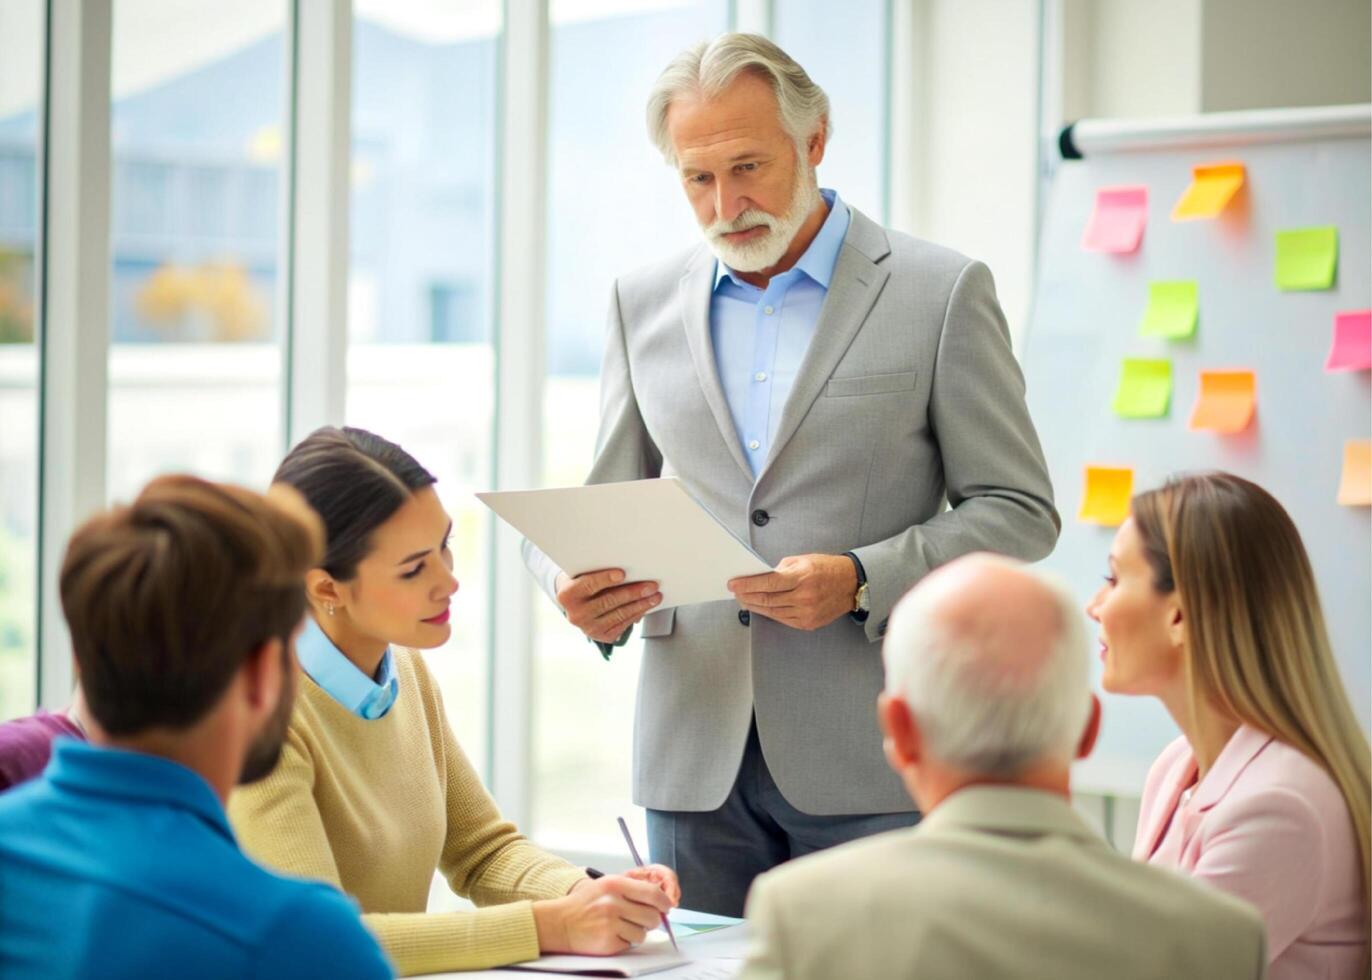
(340, 678)
(761, 335)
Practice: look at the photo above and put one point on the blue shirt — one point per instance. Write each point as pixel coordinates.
(341, 679)
(117, 864)
(760, 336)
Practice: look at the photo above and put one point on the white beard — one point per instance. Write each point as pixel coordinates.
(766, 251)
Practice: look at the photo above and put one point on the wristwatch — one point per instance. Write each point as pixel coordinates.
(862, 602)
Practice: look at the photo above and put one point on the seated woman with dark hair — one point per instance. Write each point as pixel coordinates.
(373, 792)
(1211, 607)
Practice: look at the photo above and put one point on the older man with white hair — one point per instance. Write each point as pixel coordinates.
(841, 396)
(986, 705)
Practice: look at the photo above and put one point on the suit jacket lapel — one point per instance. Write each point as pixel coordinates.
(856, 283)
(695, 291)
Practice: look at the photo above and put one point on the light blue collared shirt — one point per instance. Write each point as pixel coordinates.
(761, 336)
(340, 678)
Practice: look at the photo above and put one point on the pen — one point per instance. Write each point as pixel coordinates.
(633, 851)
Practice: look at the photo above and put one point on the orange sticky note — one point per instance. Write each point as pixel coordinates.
(1227, 401)
(1355, 488)
(1107, 494)
(1213, 185)
(1117, 222)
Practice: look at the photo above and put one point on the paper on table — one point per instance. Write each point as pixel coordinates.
(1227, 401)
(1307, 258)
(1172, 310)
(653, 956)
(1116, 223)
(1355, 488)
(1212, 187)
(1145, 388)
(714, 969)
(1106, 500)
(653, 529)
(1351, 348)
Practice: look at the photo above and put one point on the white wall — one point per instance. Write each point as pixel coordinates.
(1260, 54)
(1131, 58)
(969, 169)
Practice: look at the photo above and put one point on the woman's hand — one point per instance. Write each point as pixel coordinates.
(660, 875)
(604, 916)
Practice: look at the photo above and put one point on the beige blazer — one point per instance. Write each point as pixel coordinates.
(997, 882)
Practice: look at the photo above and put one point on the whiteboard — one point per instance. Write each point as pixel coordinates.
(1085, 317)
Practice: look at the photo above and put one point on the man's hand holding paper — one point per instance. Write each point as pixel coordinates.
(806, 592)
(602, 605)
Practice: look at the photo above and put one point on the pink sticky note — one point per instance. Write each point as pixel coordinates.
(1117, 222)
(1351, 349)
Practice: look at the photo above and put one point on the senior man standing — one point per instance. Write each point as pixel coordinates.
(823, 386)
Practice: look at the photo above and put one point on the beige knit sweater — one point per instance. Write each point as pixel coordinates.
(374, 807)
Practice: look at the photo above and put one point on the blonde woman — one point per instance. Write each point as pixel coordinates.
(1210, 606)
(373, 793)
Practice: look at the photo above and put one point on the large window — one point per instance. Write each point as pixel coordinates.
(421, 362)
(198, 104)
(613, 205)
(21, 73)
(845, 53)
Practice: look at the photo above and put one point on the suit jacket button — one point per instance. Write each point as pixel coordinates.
(743, 617)
(761, 517)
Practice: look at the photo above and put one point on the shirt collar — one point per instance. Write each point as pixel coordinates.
(340, 677)
(79, 767)
(1007, 809)
(819, 259)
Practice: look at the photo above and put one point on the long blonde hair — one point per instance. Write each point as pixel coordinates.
(1256, 638)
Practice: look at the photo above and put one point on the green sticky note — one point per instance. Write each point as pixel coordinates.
(1307, 258)
(1171, 310)
(1145, 388)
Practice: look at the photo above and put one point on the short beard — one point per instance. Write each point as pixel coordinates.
(265, 751)
(768, 250)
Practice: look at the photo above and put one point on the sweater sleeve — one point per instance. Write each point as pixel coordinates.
(484, 857)
(279, 825)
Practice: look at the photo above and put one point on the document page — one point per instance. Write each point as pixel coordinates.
(653, 529)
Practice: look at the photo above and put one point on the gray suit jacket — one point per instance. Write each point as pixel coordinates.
(908, 397)
(996, 883)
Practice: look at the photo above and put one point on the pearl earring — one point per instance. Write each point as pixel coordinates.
(328, 608)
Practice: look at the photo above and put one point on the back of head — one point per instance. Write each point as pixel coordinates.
(166, 597)
(707, 69)
(355, 480)
(1256, 642)
(991, 657)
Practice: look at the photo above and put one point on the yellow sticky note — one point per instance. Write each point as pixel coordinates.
(1145, 388)
(1355, 488)
(1213, 185)
(1172, 310)
(1107, 495)
(1227, 401)
(1307, 258)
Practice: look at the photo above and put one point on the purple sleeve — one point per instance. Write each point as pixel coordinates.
(26, 745)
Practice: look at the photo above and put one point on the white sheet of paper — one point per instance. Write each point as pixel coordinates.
(653, 529)
(654, 956)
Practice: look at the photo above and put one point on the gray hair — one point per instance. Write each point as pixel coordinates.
(976, 715)
(708, 68)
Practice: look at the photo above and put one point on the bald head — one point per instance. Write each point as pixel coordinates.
(991, 657)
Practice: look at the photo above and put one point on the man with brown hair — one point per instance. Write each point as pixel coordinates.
(119, 861)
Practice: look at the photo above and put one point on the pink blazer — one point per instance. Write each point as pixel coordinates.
(1270, 826)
